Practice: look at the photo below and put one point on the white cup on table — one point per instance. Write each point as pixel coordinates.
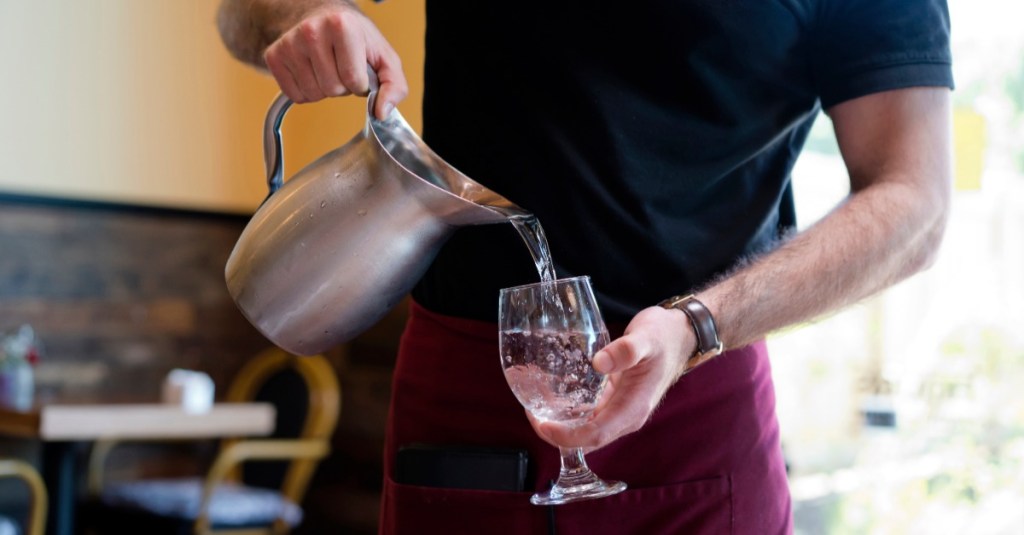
(190, 389)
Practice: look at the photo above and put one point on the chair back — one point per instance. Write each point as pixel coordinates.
(12, 468)
(307, 396)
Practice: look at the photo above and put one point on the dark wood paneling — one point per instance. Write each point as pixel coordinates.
(120, 295)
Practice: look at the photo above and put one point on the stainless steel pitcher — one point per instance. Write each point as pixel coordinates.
(339, 244)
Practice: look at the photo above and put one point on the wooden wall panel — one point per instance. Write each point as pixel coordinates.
(119, 296)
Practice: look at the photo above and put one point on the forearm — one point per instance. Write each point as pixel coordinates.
(883, 232)
(878, 237)
(248, 27)
(896, 146)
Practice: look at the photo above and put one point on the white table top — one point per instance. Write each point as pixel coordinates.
(137, 421)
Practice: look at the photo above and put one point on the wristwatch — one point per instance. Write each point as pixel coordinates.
(708, 343)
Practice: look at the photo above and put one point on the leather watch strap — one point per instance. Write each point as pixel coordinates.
(704, 327)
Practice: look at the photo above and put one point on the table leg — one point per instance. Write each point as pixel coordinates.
(60, 473)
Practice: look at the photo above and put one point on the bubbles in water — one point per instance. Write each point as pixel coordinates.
(323, 204)
(550, 373)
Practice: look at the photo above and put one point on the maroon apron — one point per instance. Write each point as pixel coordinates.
(708, 461)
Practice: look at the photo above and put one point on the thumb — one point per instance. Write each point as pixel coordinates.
(619, 355)
(393, 87)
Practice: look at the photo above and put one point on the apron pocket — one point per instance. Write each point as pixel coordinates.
(413, 509)
(692, 507)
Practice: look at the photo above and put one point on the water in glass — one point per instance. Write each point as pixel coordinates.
(549, 333)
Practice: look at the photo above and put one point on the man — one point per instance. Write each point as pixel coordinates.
(654, 141)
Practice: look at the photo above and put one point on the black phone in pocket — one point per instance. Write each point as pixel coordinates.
(461, 467)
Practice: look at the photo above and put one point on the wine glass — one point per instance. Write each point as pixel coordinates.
(550, 331)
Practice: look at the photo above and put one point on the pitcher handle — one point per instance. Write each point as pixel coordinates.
(273, 154)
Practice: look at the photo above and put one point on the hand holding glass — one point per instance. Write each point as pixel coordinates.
(550, 332)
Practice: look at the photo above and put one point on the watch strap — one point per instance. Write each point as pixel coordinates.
(703, 323)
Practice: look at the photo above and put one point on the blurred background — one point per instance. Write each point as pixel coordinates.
(131, 158)
(904, 414)
(139, 102)
(131, 150)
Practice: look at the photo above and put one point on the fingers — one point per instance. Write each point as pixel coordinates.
(621, 354)
(393, 87)
(615, 417)
(348, 38)
(622, 415)
(324, 64)
(555, 434)
(541, 428)
(278, 67)
(289, 61)
(621, 409)
(641, 366)
(326, 55)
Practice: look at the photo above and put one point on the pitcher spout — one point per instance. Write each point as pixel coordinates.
(471, 202)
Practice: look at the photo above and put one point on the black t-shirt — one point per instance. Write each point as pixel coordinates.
(653, 139)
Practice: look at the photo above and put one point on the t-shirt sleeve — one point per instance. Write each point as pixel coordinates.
(859, 47)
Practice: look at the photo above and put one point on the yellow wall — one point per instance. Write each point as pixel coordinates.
(137, 101)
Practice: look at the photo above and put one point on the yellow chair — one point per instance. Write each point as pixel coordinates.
(227, 500)
(38, 501)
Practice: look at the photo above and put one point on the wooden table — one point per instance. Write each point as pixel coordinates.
(60, 426)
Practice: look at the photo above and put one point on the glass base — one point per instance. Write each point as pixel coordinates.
(588, 489)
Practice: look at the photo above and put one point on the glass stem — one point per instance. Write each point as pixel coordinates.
(576, 481)
(574, 466)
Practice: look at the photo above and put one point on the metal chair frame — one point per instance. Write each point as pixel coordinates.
(13, 468)
(305, 452)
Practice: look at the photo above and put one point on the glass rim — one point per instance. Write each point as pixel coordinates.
(563, 280)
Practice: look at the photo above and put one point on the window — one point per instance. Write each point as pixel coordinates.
(905, 413)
